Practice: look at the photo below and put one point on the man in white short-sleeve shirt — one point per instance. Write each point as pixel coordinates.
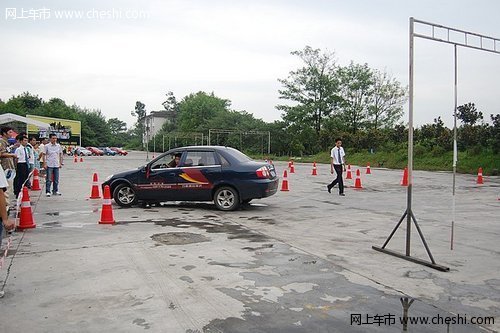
(52, 162)
(338, 163)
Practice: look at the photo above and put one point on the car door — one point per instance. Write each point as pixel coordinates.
(200, 169)
(159, 181)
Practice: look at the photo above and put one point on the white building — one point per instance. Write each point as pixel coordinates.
(153, 123)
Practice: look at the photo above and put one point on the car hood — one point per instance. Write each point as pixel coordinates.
(125, 174)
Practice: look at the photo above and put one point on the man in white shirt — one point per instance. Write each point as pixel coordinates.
(23, 157)
(52, 162)
(338, 163)
(5, 221)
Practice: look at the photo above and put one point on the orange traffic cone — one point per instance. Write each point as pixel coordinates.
(26, 217)
(81, 158)
(480, 176)
(349, 173)
(404, 180)
(368, 170)
(95, 188)
(36, 181)
(290, 164)
(357, 183)
(314, 172)
(284, 183)
(75, 159)
(292, 168)
(107, 210)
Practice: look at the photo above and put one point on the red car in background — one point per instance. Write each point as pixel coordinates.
(119, 151)
(95, 151)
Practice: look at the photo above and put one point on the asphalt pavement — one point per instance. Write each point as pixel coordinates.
(299, 261)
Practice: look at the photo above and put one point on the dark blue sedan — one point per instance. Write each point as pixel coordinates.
(197, 173)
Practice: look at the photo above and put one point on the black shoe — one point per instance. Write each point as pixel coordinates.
(342, 194)
(329, 188)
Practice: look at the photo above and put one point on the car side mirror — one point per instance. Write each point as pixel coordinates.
(145, 169)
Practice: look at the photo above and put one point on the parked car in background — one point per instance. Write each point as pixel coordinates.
(107, 151)
(119, 151)
(95, 151)
(203, 173)
(80, 151)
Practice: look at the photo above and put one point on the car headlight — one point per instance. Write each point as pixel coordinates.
(108, 178)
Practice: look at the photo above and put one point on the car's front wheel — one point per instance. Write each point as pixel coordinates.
(124, 195)
(226, 198)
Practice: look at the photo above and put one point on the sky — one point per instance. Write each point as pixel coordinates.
(107, 55)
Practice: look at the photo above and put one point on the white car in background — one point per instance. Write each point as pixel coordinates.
(80, 151)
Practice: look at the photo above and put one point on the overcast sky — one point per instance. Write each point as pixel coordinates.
(120, 52)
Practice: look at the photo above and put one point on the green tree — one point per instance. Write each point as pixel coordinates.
(386, 105)
(313, 89)
(116, 126)
(356, 91)
(95, 130)
(468, 114)
(196, 111)
(495, 133)
(171, 104)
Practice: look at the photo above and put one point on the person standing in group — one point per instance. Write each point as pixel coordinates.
(9, 224)
(337, 163)
(31, 165)
(22, 167)
(53, 162)
(7, 158)
(36, 154)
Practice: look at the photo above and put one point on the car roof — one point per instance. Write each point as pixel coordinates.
(190, 148)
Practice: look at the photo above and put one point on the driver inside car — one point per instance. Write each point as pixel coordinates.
(175, 162)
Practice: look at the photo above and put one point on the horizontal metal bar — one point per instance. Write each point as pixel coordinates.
(454, 29)
(412, 259)
(460, 44)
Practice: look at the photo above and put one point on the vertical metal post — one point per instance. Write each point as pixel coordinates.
(209, 142)
(169, 142)
(269, 143)
(163, 143)
(410, 144)
(455, 152)
(202, 143)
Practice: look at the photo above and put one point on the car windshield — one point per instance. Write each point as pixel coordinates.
(238, 155)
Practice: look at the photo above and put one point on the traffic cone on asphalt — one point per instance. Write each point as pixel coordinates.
(404, 180)
(36, 181)
(314, 171)
(284, 183)
(349, 173)
(75, 159)
(368, 170)
(480, 176)
(357, 183)
(107, 209)
(290, 164)
(81, 158)
(95, 188)
(292, 168)
(26, 216)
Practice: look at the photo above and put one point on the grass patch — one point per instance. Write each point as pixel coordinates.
(430, 160)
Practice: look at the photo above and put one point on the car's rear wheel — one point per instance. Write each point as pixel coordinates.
(226, 198)
(124, 195)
